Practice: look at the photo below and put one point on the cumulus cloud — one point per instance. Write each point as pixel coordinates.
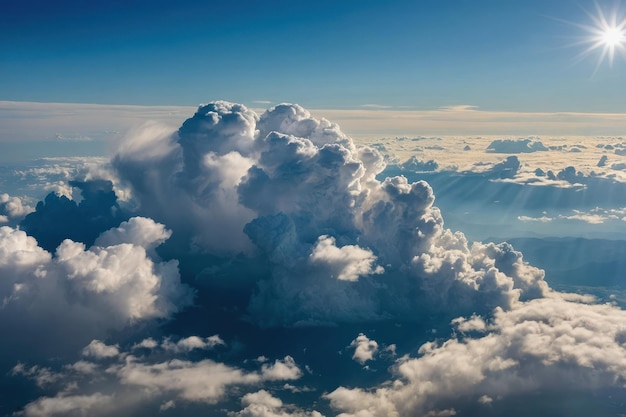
(364, 349)
(68, 405)
(58, 218)
(85, 290)
(541, 346)
(186, 344)
(516, 145)
(263, 404)
(135, 380)
(417, 165)
(12, 209)
(349, 262)
(542, 219)
(507, 168)
(99, 350)
(296, 194)
(282, 221)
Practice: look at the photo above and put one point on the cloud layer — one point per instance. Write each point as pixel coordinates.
(247, 253)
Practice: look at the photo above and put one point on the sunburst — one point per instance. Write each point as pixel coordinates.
(606, 35)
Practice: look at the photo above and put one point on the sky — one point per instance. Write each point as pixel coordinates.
(335, 209)
(505, 56)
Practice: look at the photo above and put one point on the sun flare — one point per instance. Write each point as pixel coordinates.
(606, 35)
(613, 37)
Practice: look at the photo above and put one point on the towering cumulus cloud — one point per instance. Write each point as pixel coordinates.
(294, 193)
(294, 243)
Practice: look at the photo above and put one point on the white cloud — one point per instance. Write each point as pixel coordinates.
(142, 380)
(349, 262)
(286, 185)
(293, 199)
(542, 219)
(364, 349)
(285, 369)
(539, 346)
(263, 404)
(138, 231)
(12, 208)
(98, 350)
(188, 344)
(585, 217)
(81, 293)
(203, 381)
(68, 405)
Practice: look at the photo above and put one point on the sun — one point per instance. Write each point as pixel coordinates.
(613, 37)
(606, 35)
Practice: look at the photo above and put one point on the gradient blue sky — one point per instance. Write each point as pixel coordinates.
(498, 55)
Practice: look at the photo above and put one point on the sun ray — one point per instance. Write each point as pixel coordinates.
(605, 35)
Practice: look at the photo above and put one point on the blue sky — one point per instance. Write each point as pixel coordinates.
(498, 55)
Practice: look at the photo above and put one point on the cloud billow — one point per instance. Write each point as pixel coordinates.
(58, 218)
(277, 186)
(326, 244)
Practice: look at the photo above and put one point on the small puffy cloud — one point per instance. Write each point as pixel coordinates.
(507, 168)
(264, 404)
(591, 218)
(414, 164)
(516, 146)
(148, 343)
(139, 231)
(167, 405)
(203, 381)
(68, 405)
(188, 344)
(348, 262)
(262, 398)
(364, 349)
(485, 399)
(542, 219)
(12, 208)
(285, 369)
(98, 350)
(473, 324)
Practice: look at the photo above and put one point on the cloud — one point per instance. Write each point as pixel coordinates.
(263, 404)
(516, 146)
(81, 293)
(99, 350)
(587, 218)
(280, 221)
(541, 346)
(364, 349)
(349, 261)
(542, 219)
(132, 381)
(68, 405)
(188, 344)
(58, 218)
(506, 169)
(414, 164)
(12, 209)
(295, 194)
